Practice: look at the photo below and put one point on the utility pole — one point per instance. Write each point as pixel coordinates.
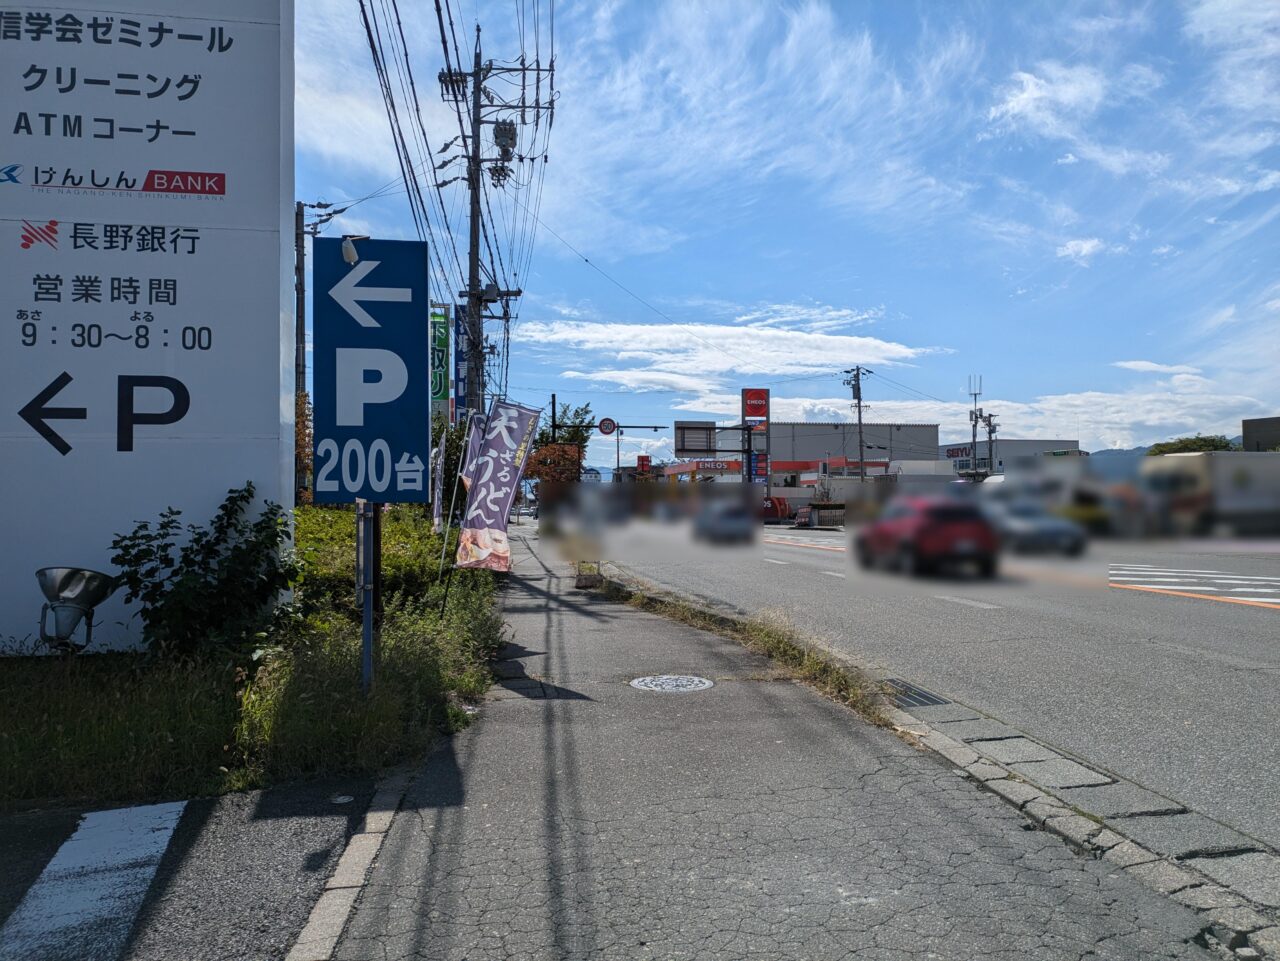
(854, 380)
(455, 85)
(475, 315)
(300, 229)
(300, 303)
(555, 424)
(990, 421)
(975, 415)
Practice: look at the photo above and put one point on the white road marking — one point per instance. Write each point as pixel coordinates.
(770, 560)
(1195, 581)
(1174, 587)
(1165, 570)
(1256, 581)
(831, 573)
(967, 601)
(84, 903)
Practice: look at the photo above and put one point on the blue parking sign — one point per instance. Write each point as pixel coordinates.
(371, 362)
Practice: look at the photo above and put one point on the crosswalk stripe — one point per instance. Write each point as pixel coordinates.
(1162, 575)
(84, 902)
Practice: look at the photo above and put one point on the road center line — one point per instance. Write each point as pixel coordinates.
(968, 602)
(770, 560)
(831, 573)
(84, 903)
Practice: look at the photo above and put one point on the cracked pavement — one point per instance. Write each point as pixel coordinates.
(752, 820)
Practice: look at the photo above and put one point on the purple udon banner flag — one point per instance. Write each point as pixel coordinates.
(475, 434)
(495, 478)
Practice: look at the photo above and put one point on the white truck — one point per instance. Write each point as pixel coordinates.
(1231, 493)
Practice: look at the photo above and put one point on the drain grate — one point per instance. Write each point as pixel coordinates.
(672, 683)
(908, 695)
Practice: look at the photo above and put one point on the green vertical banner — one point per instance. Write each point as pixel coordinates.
(439, 363)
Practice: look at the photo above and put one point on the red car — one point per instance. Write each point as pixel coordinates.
(919, 534)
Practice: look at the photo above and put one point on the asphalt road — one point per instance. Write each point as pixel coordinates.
(1169, 681)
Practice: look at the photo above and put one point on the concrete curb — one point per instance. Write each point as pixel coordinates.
(1248, 929)
(328, 919)
(1241, 925)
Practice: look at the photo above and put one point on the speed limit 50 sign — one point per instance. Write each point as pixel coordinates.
(608, 425)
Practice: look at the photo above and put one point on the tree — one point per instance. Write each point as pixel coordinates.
(1191, 445)
(576, 426)
(559, 460)
(556, 463)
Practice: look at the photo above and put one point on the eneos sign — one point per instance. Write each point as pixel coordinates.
(755, 402)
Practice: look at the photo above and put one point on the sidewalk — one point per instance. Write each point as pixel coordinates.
(580, 818)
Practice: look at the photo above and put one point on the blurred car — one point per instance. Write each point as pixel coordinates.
(917, 535)
(724, 522)
(1025, 526)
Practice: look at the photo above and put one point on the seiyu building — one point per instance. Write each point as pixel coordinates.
(1009, 452)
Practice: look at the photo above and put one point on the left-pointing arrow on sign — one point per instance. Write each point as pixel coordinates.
(37, 414)
(348, 294)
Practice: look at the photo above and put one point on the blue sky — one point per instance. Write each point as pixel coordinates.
(1078, 201)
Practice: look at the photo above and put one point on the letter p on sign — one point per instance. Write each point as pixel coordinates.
(366, 376)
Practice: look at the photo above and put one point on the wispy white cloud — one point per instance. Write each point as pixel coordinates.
(697, 100)
(666, 356)
(1081, 250)
(1219, 318)
(1058, 101)
(1151, 367)
(811, 317)
(1203, 186)
(1244, 37)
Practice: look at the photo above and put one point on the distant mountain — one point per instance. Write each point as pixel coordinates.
(1238, 440)
(1120, 452)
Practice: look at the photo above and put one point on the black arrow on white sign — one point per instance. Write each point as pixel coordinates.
(37, 414)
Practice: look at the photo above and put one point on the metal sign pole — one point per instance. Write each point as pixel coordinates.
(366, 562)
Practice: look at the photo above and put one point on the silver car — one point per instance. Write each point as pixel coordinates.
(1026, 527)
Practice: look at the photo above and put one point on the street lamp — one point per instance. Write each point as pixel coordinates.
(349, 248)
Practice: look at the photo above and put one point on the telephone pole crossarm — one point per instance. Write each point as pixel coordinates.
(853, 380)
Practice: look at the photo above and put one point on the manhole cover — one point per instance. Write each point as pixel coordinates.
(672, 683)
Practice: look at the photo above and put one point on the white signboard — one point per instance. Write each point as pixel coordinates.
(146, 262)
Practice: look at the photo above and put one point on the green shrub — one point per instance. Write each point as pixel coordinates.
(206, 586)
(105, 728)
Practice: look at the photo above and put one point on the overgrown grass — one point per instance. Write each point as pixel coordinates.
(113, 727)
(122, 727)
(773, 638)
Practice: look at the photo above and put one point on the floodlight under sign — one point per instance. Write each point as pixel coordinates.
(71, 593)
